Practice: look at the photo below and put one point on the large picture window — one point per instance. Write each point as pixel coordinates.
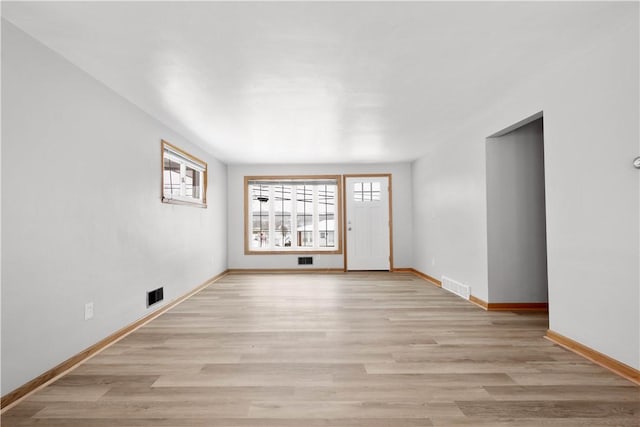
(184, 177)
(292, 214)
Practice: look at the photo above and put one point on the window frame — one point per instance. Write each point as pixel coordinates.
(184, 159)
(291, 179)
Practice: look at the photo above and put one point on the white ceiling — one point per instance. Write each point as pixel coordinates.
(313, 82)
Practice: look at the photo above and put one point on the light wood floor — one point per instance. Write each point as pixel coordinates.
(357, 349)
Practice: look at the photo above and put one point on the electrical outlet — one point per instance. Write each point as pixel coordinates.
(88, 311)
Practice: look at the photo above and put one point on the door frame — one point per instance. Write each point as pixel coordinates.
(344, 212)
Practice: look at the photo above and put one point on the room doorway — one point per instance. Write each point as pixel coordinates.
(516, 216)
(367, 227)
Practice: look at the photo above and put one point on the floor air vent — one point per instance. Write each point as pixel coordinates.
(305, 260)
(456, 287)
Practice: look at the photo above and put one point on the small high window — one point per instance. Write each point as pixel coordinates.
(292, 214)
(366, 191)
(184, 177)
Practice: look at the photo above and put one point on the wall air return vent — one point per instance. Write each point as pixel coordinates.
(457, 288)
(155, 296)
(305, 260)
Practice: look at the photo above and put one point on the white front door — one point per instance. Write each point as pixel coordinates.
(367, 223)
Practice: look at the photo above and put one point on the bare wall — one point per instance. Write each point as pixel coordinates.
(82, 219)
(591, 112)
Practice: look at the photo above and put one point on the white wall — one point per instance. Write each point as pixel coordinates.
(401, 205)
(516, 230)
(590, 102)
(82, 218)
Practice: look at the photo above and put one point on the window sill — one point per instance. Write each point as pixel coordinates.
(292, 252)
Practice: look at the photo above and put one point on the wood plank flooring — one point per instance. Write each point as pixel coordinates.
(356, 349)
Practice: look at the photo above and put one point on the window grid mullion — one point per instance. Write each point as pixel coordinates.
(316, 233)
(183, 174)
(294, 216)
(272, 217)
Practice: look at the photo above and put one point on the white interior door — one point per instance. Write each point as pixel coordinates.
(367, 223)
